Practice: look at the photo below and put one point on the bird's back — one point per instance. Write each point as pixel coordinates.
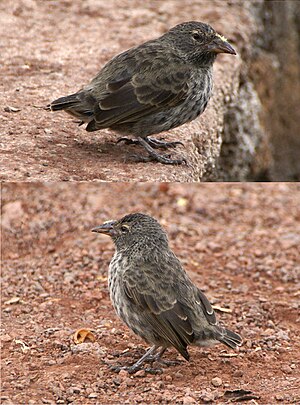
(138, 93)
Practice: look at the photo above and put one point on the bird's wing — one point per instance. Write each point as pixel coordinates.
(206, 307)
(159, 305)
(133, 96)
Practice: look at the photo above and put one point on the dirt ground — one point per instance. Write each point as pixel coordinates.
(238, 242)
(52, 48)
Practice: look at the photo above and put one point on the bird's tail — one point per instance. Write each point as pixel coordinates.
(80, 105)
(229, 338)
(64, 103)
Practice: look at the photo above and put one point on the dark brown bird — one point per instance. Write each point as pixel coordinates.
(153, 294)
(151, 88)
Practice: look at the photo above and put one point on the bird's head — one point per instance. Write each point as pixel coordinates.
(199, 42)
(133, 229)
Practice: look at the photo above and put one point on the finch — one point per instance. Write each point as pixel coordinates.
(154, 87)
(152, 293)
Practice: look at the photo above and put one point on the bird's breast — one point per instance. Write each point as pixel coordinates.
(116, 270)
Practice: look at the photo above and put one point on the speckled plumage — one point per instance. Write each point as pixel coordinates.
(153, 87)
(153, 294)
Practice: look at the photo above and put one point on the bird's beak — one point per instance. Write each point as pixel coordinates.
(220, 45)
(107, 228)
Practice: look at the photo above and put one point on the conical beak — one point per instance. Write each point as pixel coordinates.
(220, 45)
(106, 228)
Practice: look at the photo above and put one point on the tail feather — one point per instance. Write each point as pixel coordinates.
(80, 105)
(229, 338)
(64, 103)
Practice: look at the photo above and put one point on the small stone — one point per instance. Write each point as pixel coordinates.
(216, 381)
(129, 382)
(123, 373)
(207, 397)
(286, 369)
(76, 390)
(238, 373)
(189, 400)
(6, 338)
(93, 395)
(140, 373)
(179, 375)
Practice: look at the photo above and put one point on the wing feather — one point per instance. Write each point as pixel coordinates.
(165, 314)
(132, 97)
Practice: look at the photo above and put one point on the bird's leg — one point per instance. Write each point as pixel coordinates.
(137, 366)
(158, 357)
(156, 143)
(155, 156)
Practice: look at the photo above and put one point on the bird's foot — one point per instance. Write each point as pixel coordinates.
(149, 144)
(169, 363)
(153, 155)
(156, 143)
(157, 358)
(138, 365)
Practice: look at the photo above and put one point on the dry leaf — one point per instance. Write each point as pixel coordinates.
(83, 334)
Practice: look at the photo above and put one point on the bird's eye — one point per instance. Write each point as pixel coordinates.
(196, 36)
(124, 228)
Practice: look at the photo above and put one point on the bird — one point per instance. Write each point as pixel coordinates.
(154, 296)
(154, 87)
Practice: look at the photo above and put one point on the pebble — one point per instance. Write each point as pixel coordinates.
(75, 390)
(207, 397)
(123, 373)
(282, 397)
(188, 400)
(286, 369)
(93, 395)
(129, 382)
(179, 375)
(6, 338)
(216, 381)
(238, 373)
(140, 373)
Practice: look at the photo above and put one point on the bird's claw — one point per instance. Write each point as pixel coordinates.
(156, 143)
